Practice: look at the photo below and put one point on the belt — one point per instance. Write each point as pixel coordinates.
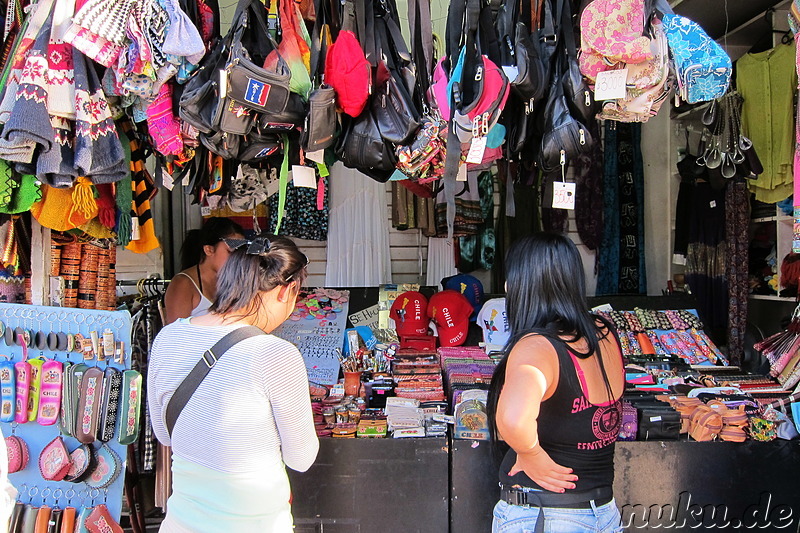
(566, 500)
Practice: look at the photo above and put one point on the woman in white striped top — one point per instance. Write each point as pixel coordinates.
(251, 415)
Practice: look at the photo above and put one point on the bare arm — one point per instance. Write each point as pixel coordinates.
(531, 377)
(179, 300)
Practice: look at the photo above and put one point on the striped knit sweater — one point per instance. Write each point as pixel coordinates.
(252, 409)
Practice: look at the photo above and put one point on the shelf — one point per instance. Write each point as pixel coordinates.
(772, 297)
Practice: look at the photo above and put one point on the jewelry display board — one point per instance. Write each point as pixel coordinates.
(51, 330)
(317, 327)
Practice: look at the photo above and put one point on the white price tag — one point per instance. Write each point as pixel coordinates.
(304, 177)
(476, 149)
(462, 173)
(317, 156)
(563, 195)
(205, 211)
(610, 84)
(712, 204)
(136, 230)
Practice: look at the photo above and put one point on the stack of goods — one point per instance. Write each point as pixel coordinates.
(405, 418)
(674, 336)
(465, 369)
(88, 272)
(336, 415)
(418, 375)
(782, 350)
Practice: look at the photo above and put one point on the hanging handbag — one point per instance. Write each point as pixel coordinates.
(54, 461)
(391, 106)
(319, 129)
(362, 147)
(580, 99)
(565, 137)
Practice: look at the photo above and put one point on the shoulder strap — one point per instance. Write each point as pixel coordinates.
(210, 357)
(192, 280)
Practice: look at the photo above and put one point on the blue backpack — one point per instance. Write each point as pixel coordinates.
(702, 66)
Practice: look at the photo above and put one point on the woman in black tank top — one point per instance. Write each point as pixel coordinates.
(554, 397)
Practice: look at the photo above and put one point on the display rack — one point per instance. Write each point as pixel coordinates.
(33, 489)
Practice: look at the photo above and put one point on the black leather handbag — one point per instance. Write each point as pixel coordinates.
(580, 98)
(392, 109)
(362, 147)
(565, 137)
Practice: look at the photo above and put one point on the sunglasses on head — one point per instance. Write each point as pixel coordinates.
(261, 246)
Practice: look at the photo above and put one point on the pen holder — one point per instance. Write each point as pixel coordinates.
(352, 383)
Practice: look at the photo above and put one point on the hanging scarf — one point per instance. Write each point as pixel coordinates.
(737, 226)
(621, 260)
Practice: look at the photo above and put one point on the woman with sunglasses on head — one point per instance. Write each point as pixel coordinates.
(250, 416)
(203, 253)
(554, 397)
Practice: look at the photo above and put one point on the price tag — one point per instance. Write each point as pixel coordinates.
(610, 84)
(317, 156)
(476, 149)
(712, 204)
(136, 230)
(563, 195)
(304, 177)
(462, 173)
(205, 211)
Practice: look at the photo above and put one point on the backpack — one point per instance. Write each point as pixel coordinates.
(702, 66)
(647, 87)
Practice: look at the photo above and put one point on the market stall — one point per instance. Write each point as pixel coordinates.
(405, 145)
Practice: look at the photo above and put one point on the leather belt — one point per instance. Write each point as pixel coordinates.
(566, 500)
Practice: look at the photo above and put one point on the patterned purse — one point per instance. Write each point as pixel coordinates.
(17, 454)
(101, 521)
(54, 461)
(630, 422)
(83, 462)
(110, 405)
(107, 467)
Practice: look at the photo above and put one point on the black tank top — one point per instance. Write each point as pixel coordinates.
(574, 432)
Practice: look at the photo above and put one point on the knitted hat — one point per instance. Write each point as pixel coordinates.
(182, 39)
(56, 166)
(98, 151)
(410, 314)
(23, 195)
(469, 286)
(29, 124)
(450, 312)
(493, 321)
(56, 210)
(61, 76)
(163, 125)
(106, 18)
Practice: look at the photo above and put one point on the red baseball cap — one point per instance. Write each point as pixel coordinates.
(410, 314)
(450, 310)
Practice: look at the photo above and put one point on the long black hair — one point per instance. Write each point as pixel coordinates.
(214, 230)
(546, 295)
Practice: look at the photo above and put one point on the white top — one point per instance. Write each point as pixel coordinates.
(204, 304)
(252, 410)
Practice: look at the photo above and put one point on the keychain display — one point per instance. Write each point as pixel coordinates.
(65, 394)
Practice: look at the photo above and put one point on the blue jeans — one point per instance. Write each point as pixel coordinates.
(518, 519)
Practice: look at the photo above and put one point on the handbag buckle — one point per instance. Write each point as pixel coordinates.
(213, 358)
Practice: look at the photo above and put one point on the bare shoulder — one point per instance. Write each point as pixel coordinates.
(533, 350)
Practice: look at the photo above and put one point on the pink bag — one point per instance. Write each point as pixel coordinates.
(17, 454)
(611, 33)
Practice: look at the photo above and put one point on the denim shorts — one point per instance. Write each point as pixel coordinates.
(519, 519)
